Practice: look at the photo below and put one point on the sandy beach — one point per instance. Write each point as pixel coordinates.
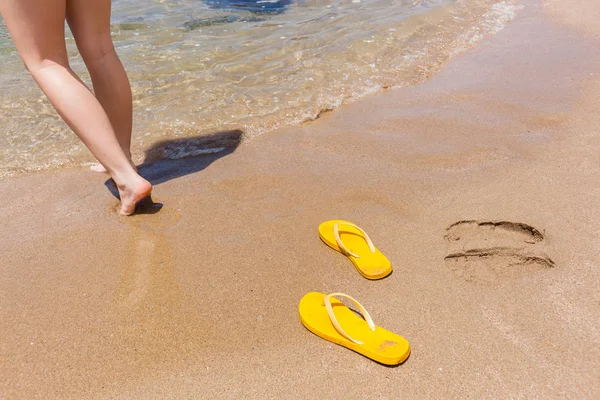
(481, 186)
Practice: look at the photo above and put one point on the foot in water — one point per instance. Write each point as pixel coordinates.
(132, 194)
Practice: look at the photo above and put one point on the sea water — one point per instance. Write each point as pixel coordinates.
(198, 67)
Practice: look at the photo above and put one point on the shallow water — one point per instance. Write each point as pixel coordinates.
(198, 67)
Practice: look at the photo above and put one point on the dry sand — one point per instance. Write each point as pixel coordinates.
(200, 299)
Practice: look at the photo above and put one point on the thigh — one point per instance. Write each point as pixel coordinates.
(38, 29)
(89, 21)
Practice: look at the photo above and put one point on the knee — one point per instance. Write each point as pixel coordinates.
(37, 65)
(95, 49)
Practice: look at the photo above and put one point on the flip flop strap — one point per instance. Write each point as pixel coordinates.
(336, 232)
(336, 324)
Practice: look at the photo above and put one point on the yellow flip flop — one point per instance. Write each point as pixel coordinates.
(353, 242)
(324, 316)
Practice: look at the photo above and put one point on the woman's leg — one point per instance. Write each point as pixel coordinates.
(90, 23)
(37, 28)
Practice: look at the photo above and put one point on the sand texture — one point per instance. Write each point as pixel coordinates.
(480, 185)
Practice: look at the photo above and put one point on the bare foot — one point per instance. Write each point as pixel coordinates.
(133, 194)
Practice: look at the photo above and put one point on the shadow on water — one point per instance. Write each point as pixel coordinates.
(174, 158)
(252, 11)
(254, 6)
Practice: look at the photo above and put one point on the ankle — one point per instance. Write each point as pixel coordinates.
(126, 179)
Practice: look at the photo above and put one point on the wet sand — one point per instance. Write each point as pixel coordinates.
(199, 300)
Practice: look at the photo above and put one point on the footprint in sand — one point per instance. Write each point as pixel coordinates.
(146, 267)
(487, 251)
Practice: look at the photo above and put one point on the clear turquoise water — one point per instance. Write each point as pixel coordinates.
(198, 67)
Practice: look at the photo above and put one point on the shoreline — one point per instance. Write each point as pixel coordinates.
(49, 144)
(199, 300)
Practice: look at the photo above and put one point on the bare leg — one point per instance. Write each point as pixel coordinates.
(90, 23)
(37, 28)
